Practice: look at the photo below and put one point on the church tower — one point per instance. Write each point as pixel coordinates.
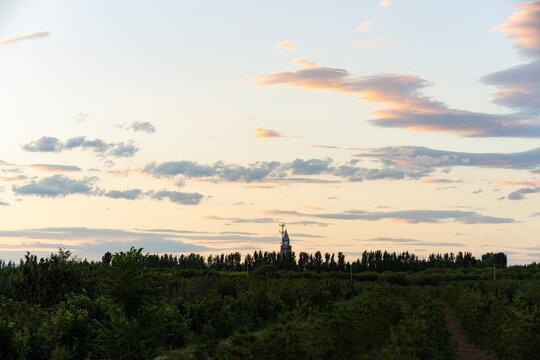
(286, 248)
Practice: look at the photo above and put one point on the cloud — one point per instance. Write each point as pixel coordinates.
(365, 26)
(179, 197)
(417, 157)
(518, 87)
(3, 203)
(266, 133)
(219, 170)
(57, 186)
(405, 241)
(309, 223)
(523, 183)
(132, 194)
(520, 194)
(242, 220)
(95, 242)
(445, 188)
(13, 178)
(277, 172)
(477, 191)
(285, 46)
(385, 2)
(370, 42)
(524, 28)
(406, 106)
(44, 144)
(34, 35)
(407, 216)
(304, 63)
(143, 126)
(52, 144)
(324, 146)
(310, 167)
(54, 167)
(440, 181)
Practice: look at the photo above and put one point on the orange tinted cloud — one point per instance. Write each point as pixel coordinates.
(406, 105)
(266, 133)
(369, 42)
(365, 26)
(12, 178)
(523, 183)
(304, 63)
(524, 27)
(439, 181)
(285, 46)
(53, 168)
(385, 2)
(35, 35)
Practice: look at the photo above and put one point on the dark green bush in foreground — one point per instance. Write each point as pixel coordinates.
(137, 306)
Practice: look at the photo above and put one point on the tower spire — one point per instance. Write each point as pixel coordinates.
(286, 248)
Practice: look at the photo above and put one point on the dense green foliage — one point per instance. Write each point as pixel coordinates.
(136, 306)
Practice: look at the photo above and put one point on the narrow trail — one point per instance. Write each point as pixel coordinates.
(465, 349)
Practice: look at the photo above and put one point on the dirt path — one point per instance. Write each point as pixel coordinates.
(465, 349)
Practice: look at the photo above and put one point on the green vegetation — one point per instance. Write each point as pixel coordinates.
(132, 305)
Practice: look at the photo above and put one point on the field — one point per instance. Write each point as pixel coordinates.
(136, 306)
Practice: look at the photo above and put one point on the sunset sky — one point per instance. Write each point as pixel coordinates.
(198, 126)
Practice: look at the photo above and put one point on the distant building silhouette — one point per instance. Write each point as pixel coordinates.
(286, 248)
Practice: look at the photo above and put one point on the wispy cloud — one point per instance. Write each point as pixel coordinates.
(304, 63)
(142, 126)
(266, 133)
(406, 241)
(407, 216)
(285, 45)
(385, 2)
(324, 147)
(54, 167)
(439, 181)
(264, 220)
(365, 26)
(13, 178)
(34, 35)
(523, 183)
(370, 42)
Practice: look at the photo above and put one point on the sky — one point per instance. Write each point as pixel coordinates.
(182, 126)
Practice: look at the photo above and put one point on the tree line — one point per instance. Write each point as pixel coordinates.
(378, 261)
